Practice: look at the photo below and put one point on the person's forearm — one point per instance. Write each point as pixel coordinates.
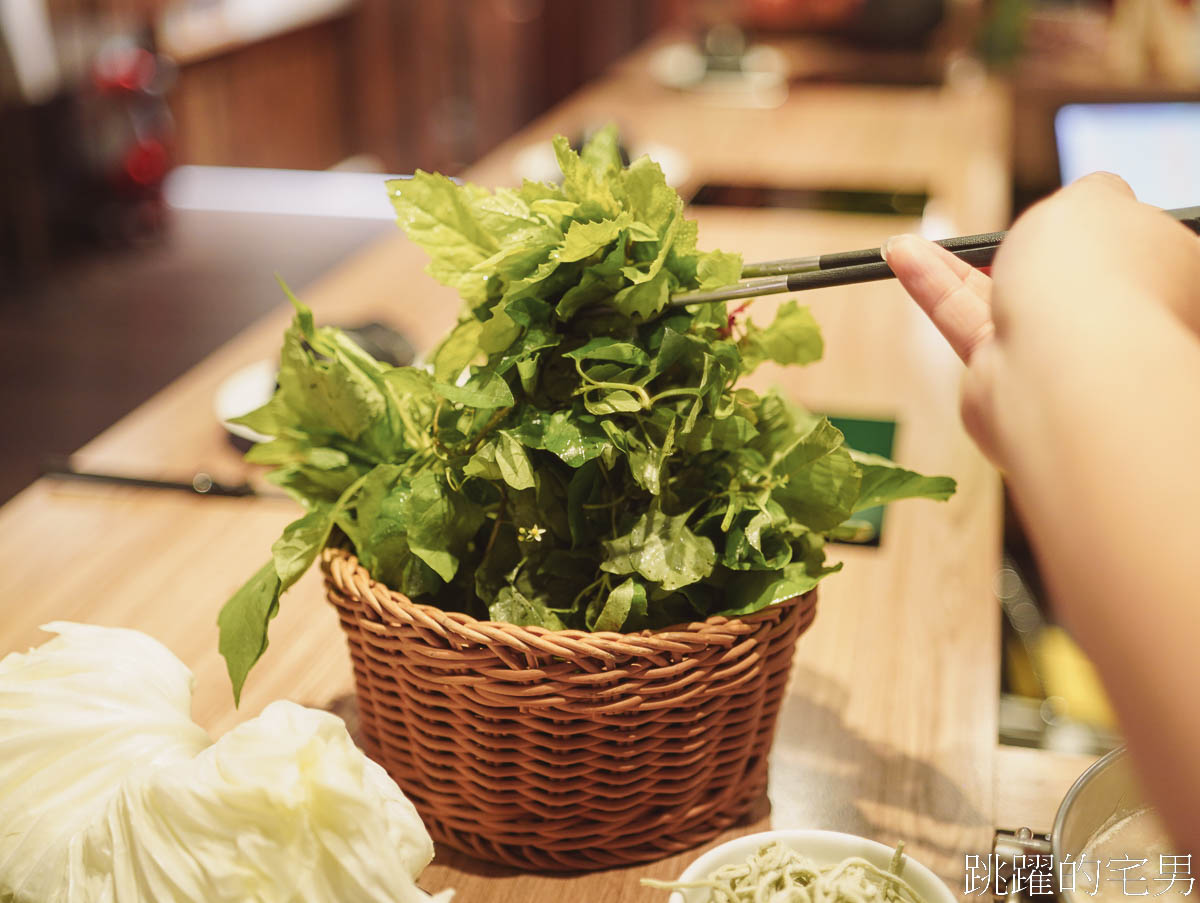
(1104, 471)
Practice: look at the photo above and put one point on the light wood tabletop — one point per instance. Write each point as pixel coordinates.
(888, 729)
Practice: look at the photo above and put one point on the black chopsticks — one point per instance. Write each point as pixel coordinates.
(798, 274)
(200, 483)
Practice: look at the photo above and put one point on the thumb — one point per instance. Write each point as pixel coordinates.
(1102, 183)
(978, 407)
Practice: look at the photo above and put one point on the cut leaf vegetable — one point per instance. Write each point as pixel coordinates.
(579, 454)
(109, 791)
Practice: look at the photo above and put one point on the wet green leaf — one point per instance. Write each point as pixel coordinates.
(575, 437)
(484, 389)
(512, 607)
(625, 604)
(662, 549)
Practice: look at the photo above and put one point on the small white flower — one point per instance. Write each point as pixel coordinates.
(531, 534)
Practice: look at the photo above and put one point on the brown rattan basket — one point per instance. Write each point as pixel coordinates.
(565, 750)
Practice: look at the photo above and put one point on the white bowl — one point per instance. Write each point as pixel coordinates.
(825, 848)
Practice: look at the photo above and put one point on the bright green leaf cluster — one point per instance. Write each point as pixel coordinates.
(578, 454)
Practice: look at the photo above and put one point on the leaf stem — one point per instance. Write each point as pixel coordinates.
(487, 550)
(583, 592)
(437, 442)
(633, 388)
(493, 422)
(667, 393)
(598, 506)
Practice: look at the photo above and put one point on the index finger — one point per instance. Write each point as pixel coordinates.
(954, 295)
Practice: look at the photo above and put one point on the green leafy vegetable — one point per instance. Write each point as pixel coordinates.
(662, 549)
(792, 338)
(484, 389)
(624, 605)
(243, 624)
(884, 481)
(578, 454)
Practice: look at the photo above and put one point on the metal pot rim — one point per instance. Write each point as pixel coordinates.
(1098, 767)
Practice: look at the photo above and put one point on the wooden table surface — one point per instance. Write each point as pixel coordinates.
(889, 726)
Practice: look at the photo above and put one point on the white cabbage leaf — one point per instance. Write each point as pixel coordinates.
(78, 715)
(109, 792)
(283, 808)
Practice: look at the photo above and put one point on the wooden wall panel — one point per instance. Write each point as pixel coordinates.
(506, 88)
(415, 83)
(469, 73)
(284, 102)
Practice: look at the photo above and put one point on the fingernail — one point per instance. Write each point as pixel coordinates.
(887, 246)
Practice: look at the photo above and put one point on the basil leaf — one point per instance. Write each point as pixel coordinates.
(755, 590)
(662, 549)
(609, 349)
(644, 299)
(717, 269)
(243, 625)
(822, 494)
(441, 217)
(484, 389)
(502, 459)
(440, 524)
(884, 481)
(730, 434)
(378, 529)
(756, 540)
(585, 239)
(792, 338)
(575, 437)
(301, 542)
(613, 402)
(626, 603)
(514, 464)
(514, 608)
(458, 349)
(297, 451)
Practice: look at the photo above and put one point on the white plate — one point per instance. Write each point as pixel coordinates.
(825, 848)
(246, 390)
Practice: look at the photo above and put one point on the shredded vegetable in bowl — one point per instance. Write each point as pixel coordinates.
(779, 874)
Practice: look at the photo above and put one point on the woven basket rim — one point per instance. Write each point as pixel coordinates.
(464, 621)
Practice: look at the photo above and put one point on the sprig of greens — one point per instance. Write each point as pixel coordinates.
(578, 454)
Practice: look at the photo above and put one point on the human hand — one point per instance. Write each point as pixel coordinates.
(1079, 270)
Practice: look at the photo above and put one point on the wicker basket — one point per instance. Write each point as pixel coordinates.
(565, 750)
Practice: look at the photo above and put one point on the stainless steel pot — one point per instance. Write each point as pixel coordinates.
(1108, 790)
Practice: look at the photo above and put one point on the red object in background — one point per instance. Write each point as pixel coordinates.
(125, 130)
(125, 69)
(85, 167)
(146, 162)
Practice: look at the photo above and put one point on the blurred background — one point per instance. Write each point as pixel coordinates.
(163, 158)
